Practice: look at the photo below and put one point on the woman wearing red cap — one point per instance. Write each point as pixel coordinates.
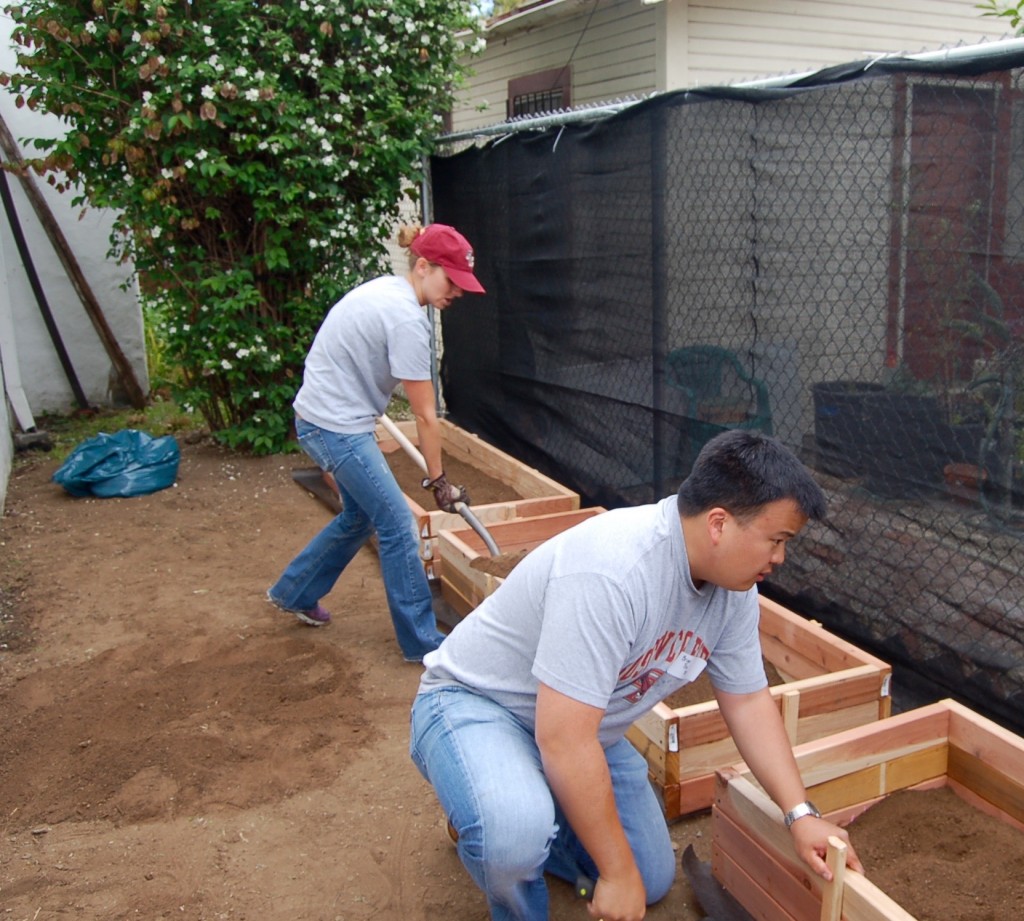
(375, 337)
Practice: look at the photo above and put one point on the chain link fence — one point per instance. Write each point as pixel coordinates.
(838, 262)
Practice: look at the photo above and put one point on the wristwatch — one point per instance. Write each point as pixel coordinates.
(798, 812)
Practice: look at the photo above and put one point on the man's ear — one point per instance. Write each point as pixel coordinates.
(716, 519)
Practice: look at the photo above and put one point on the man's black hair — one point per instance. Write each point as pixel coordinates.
(742, 471)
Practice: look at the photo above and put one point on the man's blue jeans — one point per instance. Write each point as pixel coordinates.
(485, 767)
(371, 501)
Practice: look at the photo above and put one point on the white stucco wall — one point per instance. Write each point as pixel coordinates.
(6, 451)
(45, 383)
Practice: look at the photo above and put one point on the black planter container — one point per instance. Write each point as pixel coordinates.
(839, 420)
(905, 445)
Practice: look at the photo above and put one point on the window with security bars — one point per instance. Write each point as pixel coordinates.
(546, 91)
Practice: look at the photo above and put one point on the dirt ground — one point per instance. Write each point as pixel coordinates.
(172, 746)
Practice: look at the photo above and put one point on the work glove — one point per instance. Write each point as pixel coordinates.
(446, 494)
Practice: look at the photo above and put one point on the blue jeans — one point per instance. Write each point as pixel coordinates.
(485, 767)
(371, 501)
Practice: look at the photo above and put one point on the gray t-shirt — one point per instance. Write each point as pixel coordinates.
(607, 614)
(374, 337)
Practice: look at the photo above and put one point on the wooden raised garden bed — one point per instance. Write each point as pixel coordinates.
(469, 573)
(539, 494)
(828, 685)
(940, 745)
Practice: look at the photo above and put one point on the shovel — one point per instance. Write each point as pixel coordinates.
(395, 432)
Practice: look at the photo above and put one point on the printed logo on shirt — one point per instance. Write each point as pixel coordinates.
(669, 646)
(684, 669)
(643, 684)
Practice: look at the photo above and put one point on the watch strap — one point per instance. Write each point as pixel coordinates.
(798, 812)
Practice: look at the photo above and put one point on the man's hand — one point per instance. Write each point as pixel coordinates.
(810, 838)
(446, 494)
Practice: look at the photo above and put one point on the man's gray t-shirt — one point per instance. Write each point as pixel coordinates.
(374, 337)
(607, 614)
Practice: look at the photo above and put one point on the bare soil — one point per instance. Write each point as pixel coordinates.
(173, 746)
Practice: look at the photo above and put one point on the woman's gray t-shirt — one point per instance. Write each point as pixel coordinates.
(607, 614)
(374, 337)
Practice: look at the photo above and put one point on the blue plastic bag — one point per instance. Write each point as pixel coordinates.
(127, 463)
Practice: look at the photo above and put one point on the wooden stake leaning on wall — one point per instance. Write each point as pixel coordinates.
(60, 244)
(832, 894)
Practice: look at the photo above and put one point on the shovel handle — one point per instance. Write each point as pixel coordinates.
(395, 432)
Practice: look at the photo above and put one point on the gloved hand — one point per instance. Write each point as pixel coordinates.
(446, 494)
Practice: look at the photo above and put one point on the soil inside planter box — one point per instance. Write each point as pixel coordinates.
(700, 691)
(482, 488)
(941, 859)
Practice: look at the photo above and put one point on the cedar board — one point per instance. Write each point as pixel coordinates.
(942, 744)
(541, 494)
(462, 585)
(829, 685)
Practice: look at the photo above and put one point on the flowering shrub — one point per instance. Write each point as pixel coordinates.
(256, 153)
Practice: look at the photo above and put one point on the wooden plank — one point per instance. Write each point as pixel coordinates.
(809, 640)
(997, 747)
(874, 744)
(987, 782)
(864, 901)
(832, 896)
(457, 602)
(790, 713)
(691, 795)
(754, 871)
(937, 745)
(459, 548)
(471, 449)
(811, 727)
(529, 482)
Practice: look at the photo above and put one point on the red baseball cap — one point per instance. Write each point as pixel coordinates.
(446, 247)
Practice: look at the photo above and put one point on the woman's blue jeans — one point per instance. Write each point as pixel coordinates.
(371, 501)
(485, 767)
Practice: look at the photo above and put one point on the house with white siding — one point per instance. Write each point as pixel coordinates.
(557, 54)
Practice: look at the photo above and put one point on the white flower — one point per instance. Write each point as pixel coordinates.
(240, 71)
(255, 394)
(90, 27)
(201, 155)
(242, 353)
(208, 92)
(225, 364)
(155, 232)
(252, 95)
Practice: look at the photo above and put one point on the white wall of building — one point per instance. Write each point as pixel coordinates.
(46, 386)
(623, 48)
